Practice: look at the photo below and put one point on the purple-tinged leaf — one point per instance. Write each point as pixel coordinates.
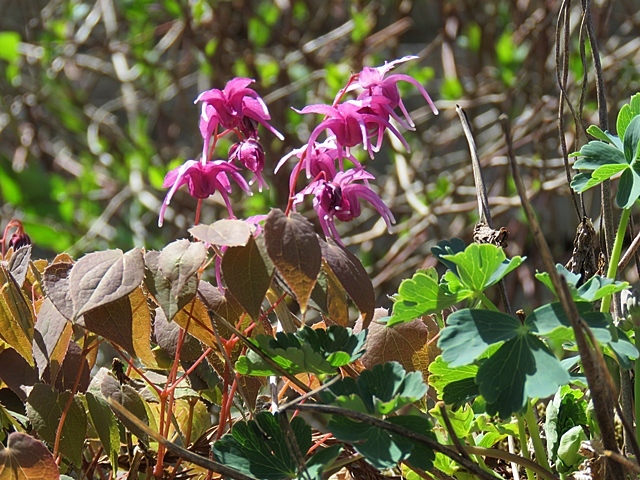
(126, 322)
(194, 318)
(44, 409)
(353, 277)
(246, 276)
(294, 249)
(100, 278)
(56, 286)
(126, 396)
(166, 334)
(19, 264)
(226, 232)
(51, 338)
(66, 376)
(171, 274)
(26, 458)
(16, 373)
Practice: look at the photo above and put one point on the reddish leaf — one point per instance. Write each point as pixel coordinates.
(26, 458)
(353, 277)
(100, 278)
(294, 249)
(16, 316)
(166, 334)
(171, 274)
(16, 373)
(226, 232)
(194, 318)
(56, 286)
(246, 276)
(66, 376)
(410, 344)
(126, 322)
(44, 409)
(19, 264)
(226, 306)
(126, 396)
(51, 330)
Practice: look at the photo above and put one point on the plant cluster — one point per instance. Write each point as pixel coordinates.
(224, 377)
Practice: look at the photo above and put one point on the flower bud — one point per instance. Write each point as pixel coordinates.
(250, 153)
(19, 239)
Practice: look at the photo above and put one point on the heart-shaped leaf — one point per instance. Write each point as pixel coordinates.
(293, 247)
(26, 458)
(103, 277)
(226, 232)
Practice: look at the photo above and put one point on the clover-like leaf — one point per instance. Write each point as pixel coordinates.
(520, 369)
(259, 448)
(448, 247)
(606, 136)
(421, 295)
(382, 448)
(628, 187)
(470, 332)
(454, 385)
(598, 287)
(626, 114)
(307, 351)
(103, 277)
(26, 458)
(383, 389)
(480, 266)
(226, 232)
(596, 154)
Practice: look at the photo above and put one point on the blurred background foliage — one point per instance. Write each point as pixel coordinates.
(96, 104)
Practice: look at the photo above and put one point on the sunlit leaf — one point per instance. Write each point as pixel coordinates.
(26, 458)
(103, 277)
(51, 330)
(225, 232)
(295, 251)
(246, 276)
(627, 113)
(16, 316)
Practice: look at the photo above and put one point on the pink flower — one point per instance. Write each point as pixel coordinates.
(202, 180)
(374, 83)
(250, 154)
(340, 198)
(234, 107)
(350, 123)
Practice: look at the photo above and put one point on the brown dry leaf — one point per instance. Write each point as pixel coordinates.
(410, 343)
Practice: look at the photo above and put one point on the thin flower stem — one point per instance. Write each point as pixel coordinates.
(488, 303)
(615, 255)
(522, 436)
(534, 434)
(636, 385)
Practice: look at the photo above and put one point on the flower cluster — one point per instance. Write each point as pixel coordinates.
(355, 122)
(360, 121)
(234, 109)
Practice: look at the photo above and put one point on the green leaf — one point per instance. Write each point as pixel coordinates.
(454, 385)
(246, 276)
(461, 419)
(293, 246)
(258, 447)
(470, 332)
(482, 265)
(321, 460)
(628, 188)
(382, 448)
(9, 43)
(383, 389)
(631, 140)
(103, 277)
(421, 295)
(44, 409)
(568, 456)
(626, 114)
(596, 132)
(598, 287)
(521, 369)
(106, 425)
(448, 247)
(595, 154)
